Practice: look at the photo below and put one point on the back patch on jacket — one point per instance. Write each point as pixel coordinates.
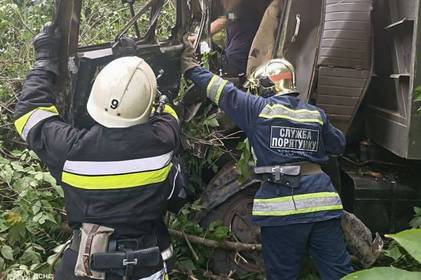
(291, 138)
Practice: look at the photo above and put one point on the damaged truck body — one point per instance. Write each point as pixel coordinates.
(356, 59)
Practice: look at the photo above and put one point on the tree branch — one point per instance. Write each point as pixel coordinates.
(227, 245)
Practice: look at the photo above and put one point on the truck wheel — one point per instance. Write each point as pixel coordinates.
(235, 214)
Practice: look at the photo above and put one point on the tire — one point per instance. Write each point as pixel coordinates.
(235, 214)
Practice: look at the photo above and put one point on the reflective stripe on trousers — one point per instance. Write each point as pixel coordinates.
(297, 204)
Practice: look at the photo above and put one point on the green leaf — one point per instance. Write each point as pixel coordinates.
(415, 222)
(417, 94)
(187, 264)
(383, 273)
(410, 240)
(36, 208)
(1, 263)
(7, 252)
(3, 160)
(221, 233)
(30, 257)
(394, 252)
(17, 166)
(39, 176)
(37, 217)
(211, 121)
(17, 153)
(417, 210)
(16, 233)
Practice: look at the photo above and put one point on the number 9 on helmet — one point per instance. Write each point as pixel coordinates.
(123, 93)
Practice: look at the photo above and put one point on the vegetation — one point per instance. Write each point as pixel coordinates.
(32, 219)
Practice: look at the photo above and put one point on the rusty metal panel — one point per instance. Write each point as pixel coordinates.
(391, 113)
(344, 59)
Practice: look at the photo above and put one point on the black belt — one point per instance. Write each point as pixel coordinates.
(74, 245)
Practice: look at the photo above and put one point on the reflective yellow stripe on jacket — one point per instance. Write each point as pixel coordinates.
(106, 175)
(169, 110)
(215, 88)
(26, 122)
(298, 204)
(279, 111)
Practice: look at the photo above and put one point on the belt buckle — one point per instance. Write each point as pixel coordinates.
(276, 172)
(126, 262)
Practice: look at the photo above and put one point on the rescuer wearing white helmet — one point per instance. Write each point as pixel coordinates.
(297, 207)
(118, 176)
(123, 93)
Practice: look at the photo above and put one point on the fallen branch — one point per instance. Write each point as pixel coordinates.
(227, 245)
(209, 275)
(196, 257)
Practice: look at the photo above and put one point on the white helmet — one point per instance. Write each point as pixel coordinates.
(123, 93)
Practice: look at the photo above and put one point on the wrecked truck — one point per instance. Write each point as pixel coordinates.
(356, 59)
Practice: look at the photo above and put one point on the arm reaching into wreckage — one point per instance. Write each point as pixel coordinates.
(238, 105)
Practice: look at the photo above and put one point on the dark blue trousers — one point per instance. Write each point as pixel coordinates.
(283, 247)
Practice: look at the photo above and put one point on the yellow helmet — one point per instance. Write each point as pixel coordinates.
(123, 93)
(277, 76)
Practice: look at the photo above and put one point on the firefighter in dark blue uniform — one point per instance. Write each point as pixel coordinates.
(296, 206)
(241, 19)
(118, 176)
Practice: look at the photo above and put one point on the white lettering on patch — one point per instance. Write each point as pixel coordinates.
(291, 138)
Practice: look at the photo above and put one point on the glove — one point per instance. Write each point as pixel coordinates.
(46, 45)
(188, 60)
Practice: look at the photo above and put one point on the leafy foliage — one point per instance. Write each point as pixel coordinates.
(30, 224)
(410, 241)
(383, 273)
(416, 220)
(245, 161)
(405, 251)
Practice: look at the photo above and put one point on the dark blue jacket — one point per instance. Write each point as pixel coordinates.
(243, 22)
(281, 130)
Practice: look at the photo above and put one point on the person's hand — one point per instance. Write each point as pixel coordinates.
(188, 60)
(46, 45)
(192, 39)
